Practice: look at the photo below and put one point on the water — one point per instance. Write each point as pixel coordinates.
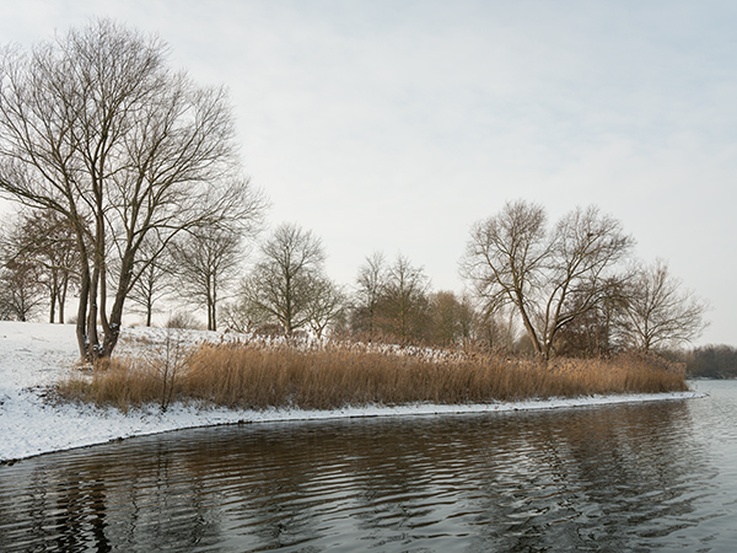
(657, 476)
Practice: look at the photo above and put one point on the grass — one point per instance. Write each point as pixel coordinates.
(330, 377)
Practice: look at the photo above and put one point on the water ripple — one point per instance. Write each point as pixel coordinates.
(620, 478)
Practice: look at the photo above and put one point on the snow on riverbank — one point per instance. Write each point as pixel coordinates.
(34, 355)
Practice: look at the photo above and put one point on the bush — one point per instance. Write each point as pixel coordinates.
(181, 319)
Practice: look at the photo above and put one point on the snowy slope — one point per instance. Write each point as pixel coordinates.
(35, 355)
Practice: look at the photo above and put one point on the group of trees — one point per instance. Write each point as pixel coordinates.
(574, 285)
(572, 289)
(133, 196)
(287, 289)
(394, 302)
(287, 292)
(39, 266)
(713, 361)
(130, 155)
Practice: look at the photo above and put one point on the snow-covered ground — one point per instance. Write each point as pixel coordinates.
(34, 355)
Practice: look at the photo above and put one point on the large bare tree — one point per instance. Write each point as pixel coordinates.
(513, 258)
(659, 312)
(95, 126)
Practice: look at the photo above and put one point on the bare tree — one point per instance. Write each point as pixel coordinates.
(370, 287)
(155, 281)
(49, 240)
(41, 245)
(514, 259)
(404, 306)
(206, 262)
(202, 264)
(451, 318)
(505, 259)
(21, 293)
(96, 127)
(659, 312)
(235, 314)
(391, 301)
(326, 306)
(595, 332)
(282, 286)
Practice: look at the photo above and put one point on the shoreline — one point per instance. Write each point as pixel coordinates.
(33, 356)
(93, 426)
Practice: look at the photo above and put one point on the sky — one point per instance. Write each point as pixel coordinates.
(394, 126)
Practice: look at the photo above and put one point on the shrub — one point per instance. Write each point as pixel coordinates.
(184, 320)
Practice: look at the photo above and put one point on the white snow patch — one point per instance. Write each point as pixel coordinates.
(34, 356)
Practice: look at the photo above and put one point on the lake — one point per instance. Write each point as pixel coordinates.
(636, 477)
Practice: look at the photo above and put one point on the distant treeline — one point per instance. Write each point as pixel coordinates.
(713, 361)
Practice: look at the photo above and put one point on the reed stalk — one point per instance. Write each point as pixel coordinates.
(331, 377)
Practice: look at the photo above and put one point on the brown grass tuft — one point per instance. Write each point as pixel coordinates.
(121, 383)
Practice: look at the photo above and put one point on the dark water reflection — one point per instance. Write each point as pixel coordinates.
(620, 478)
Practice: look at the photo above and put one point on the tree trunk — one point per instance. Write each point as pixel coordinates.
(530, 329)
(93, 340)
(110, 339)
(54, 295)
(63, 298)
(113, 324)
(82, 338)
(52, 310)
(212, 308)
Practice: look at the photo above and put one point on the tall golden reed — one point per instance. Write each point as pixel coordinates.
(330, 377)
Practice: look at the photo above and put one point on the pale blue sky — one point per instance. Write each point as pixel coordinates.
(394, 125)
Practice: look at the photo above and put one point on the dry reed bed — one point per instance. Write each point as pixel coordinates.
(260, 377)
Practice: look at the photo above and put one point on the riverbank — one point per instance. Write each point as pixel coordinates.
(35, 356)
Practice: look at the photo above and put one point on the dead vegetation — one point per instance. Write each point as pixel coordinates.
(258, 376)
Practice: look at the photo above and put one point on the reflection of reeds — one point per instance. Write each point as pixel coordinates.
(258, 377)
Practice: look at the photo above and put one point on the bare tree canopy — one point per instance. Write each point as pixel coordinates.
(327, 305)
(96, 127)
(391, 301)
(452, 318)
(513, 258)
(44, 242)
(371, 284)
(659, 312)
(405, 305)
(283, 286)
(207, 259)
(21, 288)
(155, 280)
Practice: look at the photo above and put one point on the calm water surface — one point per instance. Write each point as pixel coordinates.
(657, 476)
